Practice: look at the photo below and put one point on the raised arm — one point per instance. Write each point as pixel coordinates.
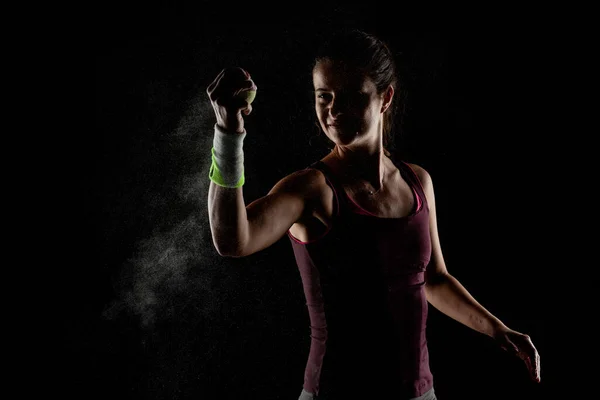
(449, 296)
(239, 230)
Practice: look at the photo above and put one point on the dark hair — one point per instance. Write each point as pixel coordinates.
(365, 51)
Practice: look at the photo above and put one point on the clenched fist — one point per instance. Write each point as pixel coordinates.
(231, 98)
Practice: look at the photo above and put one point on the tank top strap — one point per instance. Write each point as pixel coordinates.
(412, 179)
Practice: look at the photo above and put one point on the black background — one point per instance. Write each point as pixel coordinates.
(160, 315)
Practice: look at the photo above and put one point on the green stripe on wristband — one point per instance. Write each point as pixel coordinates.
(215, 175)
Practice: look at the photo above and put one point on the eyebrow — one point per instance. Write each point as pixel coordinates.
(320, 90)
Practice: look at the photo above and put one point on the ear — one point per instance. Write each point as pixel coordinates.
(387, 98)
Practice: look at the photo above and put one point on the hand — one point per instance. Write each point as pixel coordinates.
(227, 106)
(520, 345)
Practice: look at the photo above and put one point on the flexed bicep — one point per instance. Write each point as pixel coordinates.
(270, 217)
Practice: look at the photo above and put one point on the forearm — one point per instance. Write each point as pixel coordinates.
(451, 298)
(228, 219)
(226, 207)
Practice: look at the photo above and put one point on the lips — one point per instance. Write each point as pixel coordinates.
(341, 125)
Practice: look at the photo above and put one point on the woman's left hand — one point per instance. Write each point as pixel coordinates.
(520, 345)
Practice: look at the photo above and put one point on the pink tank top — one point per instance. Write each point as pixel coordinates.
(363, 282)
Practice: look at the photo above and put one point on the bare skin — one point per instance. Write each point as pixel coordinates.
(350, 111)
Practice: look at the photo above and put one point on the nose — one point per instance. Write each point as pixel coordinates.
(338, 106)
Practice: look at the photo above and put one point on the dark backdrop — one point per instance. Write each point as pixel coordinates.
(156, 313)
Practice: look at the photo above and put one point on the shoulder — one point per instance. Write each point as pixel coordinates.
(308, 186)
(422, 174)
(307, 182)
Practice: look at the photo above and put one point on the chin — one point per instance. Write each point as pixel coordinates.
(334, 133)
(342, 132)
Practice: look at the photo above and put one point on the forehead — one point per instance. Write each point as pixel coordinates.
(330, 75)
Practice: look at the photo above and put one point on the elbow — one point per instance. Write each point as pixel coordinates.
(230, 254)
(223, 253)
(228, 237)
(226, 246)
(229, 251)
(436, 278)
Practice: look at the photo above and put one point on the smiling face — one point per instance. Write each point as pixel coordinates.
(347, 104)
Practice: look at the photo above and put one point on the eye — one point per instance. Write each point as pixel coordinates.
(323, 96)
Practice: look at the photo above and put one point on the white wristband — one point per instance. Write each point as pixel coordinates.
(228, 156)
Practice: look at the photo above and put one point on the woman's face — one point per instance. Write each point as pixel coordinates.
(347, 104)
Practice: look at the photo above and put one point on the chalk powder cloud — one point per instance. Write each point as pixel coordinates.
(175, 267)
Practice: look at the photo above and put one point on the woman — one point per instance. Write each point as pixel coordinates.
(362, 227)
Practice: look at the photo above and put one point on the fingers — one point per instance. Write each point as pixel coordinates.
(528, 364)
(528, 353)
(534, 361)
(538, 367)
(227, 85)
(533, 366)
(522, 346)
(215, 82)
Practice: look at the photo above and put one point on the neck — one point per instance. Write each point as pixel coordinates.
(361, 164)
